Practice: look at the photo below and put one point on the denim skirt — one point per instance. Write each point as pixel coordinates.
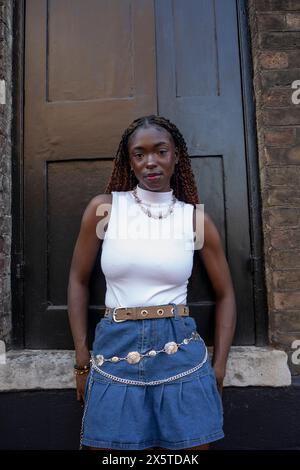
(165, 400)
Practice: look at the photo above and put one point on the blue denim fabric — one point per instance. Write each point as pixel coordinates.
(175, 414)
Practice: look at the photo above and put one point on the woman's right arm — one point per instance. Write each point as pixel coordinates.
(85, 252)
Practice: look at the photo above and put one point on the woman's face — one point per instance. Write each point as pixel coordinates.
(152, 151)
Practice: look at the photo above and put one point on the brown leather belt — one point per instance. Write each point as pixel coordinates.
(142, 313)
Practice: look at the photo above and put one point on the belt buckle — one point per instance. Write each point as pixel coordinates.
(114, 314)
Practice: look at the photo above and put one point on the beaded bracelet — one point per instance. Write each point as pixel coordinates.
(81, 372)
(85, 367)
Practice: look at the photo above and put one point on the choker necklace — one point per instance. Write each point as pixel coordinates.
(148, 212)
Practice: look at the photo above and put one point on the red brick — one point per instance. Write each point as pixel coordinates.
(293, 155)
(271, 22)
(282, 116)
(280, 136)
(285, 321)
(280, 259)
(274, 60)
(289, 279)
(283, 156)
(293, 21)
(294, 58)
(282, 197)
(277, 97)
(285, 238)
(286, 300)
(279, 78)
(297, 134)
(282, 176)
(289, 216)
(278, 5)
(279, 40)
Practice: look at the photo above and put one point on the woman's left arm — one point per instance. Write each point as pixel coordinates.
(213, 256)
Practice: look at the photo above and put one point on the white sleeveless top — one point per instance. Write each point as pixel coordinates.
(147, 261)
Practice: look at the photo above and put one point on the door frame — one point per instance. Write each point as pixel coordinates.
(254, 189)
(18, 269)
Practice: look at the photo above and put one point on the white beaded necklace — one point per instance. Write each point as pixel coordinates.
(147, 210)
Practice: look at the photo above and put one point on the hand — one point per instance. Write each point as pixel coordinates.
(80, 385)
(220, 374)
(82, 358)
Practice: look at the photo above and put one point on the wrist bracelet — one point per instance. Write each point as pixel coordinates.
(85, 367)
(81, 372)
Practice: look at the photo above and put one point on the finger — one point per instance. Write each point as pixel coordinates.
(79, 397)
(82, 400)
(81, 403)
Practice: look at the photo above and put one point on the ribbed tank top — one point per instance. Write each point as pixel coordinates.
(147, 261)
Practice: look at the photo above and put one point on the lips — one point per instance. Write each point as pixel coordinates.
(152, 174)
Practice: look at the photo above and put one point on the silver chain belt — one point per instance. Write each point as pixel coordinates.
(154, 382)
(134, 356)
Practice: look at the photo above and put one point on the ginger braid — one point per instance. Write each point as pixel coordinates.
(182, 181)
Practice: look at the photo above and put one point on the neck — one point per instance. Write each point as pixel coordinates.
(154, 196)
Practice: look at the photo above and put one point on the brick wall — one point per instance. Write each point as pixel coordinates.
(275, 36)
(5, 166)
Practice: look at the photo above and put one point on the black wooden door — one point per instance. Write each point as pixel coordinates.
(90, 68)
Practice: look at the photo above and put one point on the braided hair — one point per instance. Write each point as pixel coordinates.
(182, 181)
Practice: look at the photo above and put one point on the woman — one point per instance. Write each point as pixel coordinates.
(149, 382)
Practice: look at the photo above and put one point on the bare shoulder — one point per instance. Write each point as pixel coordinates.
(101, 199)
(97, 202)
(97, 208)
(90, 236)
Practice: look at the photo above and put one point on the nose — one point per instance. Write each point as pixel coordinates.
(151, 162)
